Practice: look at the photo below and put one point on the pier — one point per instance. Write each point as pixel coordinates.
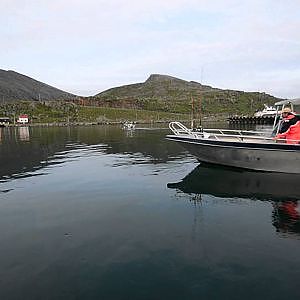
(251, 120)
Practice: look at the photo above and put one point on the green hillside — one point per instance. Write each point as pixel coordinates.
(68, 112)
(170, 94)
(159, 98)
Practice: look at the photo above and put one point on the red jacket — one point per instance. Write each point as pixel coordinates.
(292, 134)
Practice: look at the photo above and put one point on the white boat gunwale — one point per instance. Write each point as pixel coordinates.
(235, 144)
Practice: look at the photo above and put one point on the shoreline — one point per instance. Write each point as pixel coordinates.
(66, 124)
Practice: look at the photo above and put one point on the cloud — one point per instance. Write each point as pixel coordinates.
(82, 45)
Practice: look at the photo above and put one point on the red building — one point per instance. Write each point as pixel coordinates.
(23, 119)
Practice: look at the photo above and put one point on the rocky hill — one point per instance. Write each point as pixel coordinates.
(167, 93)
(15, 86)
(157, 93)
(162, 86)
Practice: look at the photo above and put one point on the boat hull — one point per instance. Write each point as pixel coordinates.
(252, 156)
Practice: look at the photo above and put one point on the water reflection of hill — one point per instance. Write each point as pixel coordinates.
(282, 190)
(26, 150)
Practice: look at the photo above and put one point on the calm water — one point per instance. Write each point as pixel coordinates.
(100, 213)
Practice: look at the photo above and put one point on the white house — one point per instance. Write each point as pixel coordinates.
(23, 119)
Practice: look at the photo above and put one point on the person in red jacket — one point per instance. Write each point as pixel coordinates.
(292, 135)
(288, 119)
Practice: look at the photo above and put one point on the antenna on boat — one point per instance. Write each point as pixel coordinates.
(200, 100)
(200, 108)
(193, 113)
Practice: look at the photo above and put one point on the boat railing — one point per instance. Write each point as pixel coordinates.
(236, 132)
(179, 129)
(227, 134)
(246, 138)
(241, 138)
(245, 135)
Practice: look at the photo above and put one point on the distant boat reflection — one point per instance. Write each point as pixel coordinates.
(282, 190)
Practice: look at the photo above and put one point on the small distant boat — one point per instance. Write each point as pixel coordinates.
(129, 125)
(250, 150)
(268, 111)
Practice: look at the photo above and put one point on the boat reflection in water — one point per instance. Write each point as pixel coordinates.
(281, 189)
(286, 218)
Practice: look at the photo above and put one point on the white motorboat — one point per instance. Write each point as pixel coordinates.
(129, 125)
(250, 150)
(268, 111)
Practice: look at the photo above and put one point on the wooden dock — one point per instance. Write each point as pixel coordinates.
(251, 120)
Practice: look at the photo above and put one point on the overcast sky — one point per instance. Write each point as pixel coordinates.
(87, 46)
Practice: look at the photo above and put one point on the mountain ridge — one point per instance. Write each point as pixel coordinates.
(15, 86)
(171, 94)
(157, 93)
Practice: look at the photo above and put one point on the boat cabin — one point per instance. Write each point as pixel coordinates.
(267, 111)
(4, 121)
